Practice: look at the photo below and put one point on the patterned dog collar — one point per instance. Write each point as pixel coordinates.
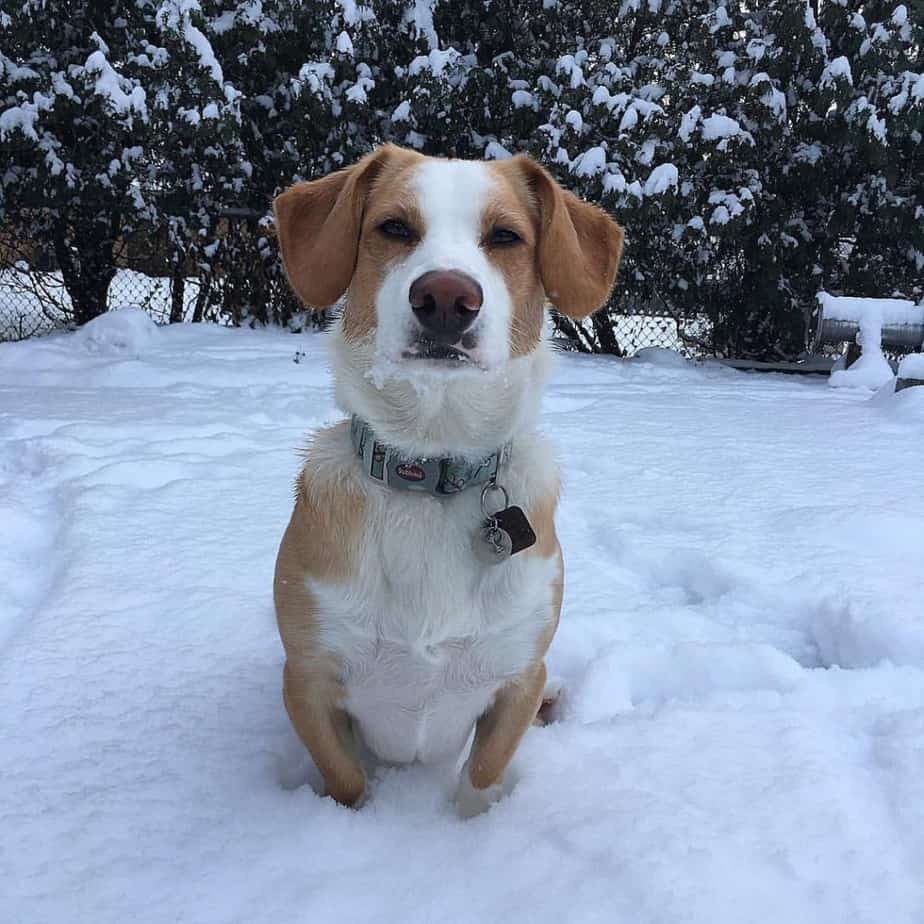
(443, 476)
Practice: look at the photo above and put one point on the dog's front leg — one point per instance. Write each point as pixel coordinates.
(497, 736)
(325, 730)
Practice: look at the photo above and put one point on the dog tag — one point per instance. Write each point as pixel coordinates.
(513, 522)
(503, 534)
(493, 545)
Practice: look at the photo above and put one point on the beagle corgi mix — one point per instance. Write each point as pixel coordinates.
(419, 581)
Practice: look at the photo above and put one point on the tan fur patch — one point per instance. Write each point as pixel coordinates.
(514, 206)
(499, 731)
(318, 223)
(319, 543)
(390, 197)
(579, 246)
(541, 515)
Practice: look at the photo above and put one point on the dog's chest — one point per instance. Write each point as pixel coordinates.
(424, 632)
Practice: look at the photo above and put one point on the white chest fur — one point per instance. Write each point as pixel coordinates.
(424, 633)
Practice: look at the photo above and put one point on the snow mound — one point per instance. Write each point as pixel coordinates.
(660, 356)
(869, 371)
(872, 369)
(127, 332)
(907, 404)
(912, 366)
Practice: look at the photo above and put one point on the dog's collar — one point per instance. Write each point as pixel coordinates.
(439, 476)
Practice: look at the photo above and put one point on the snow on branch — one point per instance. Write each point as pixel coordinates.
(112, 87)
(176, 16)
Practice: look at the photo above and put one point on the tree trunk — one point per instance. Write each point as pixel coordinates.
(177, 296)
(89, 300)
(573, 332)
(202, 298)
(606, 337)
(85, 257)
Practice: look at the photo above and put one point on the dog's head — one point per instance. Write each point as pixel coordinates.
(445, 263)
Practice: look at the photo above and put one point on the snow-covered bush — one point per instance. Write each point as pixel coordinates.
(755, 153)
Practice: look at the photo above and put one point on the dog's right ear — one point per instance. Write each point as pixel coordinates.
(318, 225)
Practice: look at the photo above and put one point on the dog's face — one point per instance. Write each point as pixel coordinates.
(446, 264)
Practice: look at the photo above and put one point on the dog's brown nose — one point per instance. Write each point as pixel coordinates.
(445, 303)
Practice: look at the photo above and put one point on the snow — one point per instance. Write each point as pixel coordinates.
(23, 118)
(872, 369)
(436, 62)
(345, 44)
(574, 119)
(912, 366)
(917, 89)
(590, 163)
(354, 13)
(741, 651)
(317, 74)
(359, 92)
(772, 98)
(568, 65)
(494, 150)
(402, 112)
(706, 80)
(110, 86)
(838, 68)
(716, 127)
(892, 311)
(876, 127)
(688, 123)
(523, 99)
(629, 119)
(662, 178)
(422, 16)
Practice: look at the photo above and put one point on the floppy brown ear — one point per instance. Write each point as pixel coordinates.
(580, 246)
(318, 225)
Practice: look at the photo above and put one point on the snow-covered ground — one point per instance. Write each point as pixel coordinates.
(742, 649)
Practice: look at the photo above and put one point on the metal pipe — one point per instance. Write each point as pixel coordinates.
(835, 325)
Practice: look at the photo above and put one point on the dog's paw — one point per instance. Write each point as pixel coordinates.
(471, 801)
(550, 707)
(352, 793)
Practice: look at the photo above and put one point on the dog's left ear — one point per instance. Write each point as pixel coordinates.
(580, 246)
(318, 226)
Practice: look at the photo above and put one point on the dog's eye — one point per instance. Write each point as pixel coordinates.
(397, 229)
(503, 237)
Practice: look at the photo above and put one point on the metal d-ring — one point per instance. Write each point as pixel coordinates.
(493, 486)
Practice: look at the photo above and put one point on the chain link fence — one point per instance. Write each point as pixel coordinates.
(34, 301)
(635, 332)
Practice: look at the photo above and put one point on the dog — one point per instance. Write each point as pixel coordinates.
(419, 581)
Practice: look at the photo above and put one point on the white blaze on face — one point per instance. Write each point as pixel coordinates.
(451, 198)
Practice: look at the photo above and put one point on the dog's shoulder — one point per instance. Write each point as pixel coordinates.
(330, 508)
